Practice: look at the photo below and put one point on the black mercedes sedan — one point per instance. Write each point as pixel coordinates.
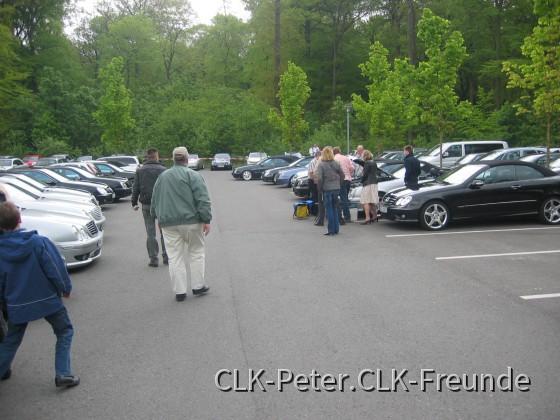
(249, 172)
(485, 189)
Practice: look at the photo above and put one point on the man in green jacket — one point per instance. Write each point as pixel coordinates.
(181, 204)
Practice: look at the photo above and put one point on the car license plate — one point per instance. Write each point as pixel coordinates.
(382, 208)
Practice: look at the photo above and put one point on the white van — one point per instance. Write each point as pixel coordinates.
(454, 151)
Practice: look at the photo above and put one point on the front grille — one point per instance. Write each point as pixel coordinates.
(97, 213)
(92, 229)
(390, 199)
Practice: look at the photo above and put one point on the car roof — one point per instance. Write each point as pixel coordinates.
(494, 163)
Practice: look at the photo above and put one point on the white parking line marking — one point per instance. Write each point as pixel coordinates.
(497, 255)
(469, 231)
(550, 295)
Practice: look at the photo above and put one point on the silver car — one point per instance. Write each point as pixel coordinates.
(25, 199)
(76, 237)
(195, 162)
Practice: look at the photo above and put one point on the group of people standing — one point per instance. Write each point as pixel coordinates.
(330, 174)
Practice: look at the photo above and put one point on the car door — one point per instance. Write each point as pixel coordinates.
(500, 194)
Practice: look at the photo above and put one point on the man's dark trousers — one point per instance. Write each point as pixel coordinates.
(151, 240)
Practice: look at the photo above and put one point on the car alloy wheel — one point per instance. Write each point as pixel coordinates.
(247, 175)
(550, 211)
(434, 216)
(275, 178)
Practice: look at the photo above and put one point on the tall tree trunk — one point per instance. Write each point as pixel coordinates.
(334, 66)
(411, 33)
(277, 41)
(411, 45)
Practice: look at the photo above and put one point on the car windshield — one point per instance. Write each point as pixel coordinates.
(221, 156)
(31, 158)
(434, 151)
(392, 167)
(255, 155)
(460, 175)
(5, 162)
(400, 172)
(492, 155)
(193, 156)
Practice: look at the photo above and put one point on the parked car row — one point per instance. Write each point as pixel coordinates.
(63, 201)
(71, 218)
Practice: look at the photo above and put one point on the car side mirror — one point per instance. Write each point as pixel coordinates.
(445, 154)
(476, 184)
(434, 172)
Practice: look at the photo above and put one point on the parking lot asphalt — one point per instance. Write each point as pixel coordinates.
(383, 309)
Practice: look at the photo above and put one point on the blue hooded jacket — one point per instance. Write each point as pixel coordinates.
(33, 275)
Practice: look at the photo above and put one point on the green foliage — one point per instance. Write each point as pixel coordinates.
(437, 77)
(293, 92)
(114, 113)
(212, 86)
(48, 146)
(392, 108)
(479, 121)
(540, 77)
(211, 119)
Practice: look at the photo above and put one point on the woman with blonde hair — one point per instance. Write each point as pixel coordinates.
(329, 176)
(370, 195)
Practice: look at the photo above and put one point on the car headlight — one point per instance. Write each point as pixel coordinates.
(101, 190)
(123, 185)
(266, 173)
(80, 233)
(403, 201)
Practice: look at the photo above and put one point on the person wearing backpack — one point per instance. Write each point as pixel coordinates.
(412, 168)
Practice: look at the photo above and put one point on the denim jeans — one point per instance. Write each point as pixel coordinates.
(64, 331)
(330, 198)
(151, 240)
(344, 191)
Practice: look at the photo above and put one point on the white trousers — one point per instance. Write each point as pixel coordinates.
(181, 240)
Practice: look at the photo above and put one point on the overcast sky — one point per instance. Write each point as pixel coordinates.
(205, 9)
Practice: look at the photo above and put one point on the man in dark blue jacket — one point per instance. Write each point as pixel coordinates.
(33, 277)
(412, 168)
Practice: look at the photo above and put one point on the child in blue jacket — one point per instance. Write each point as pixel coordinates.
(33, 277)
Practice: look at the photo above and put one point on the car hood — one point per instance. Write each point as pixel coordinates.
(80, 184)
(67, 191)
(51, 195)
(55, 226)
(426, 187)
(62, 207)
